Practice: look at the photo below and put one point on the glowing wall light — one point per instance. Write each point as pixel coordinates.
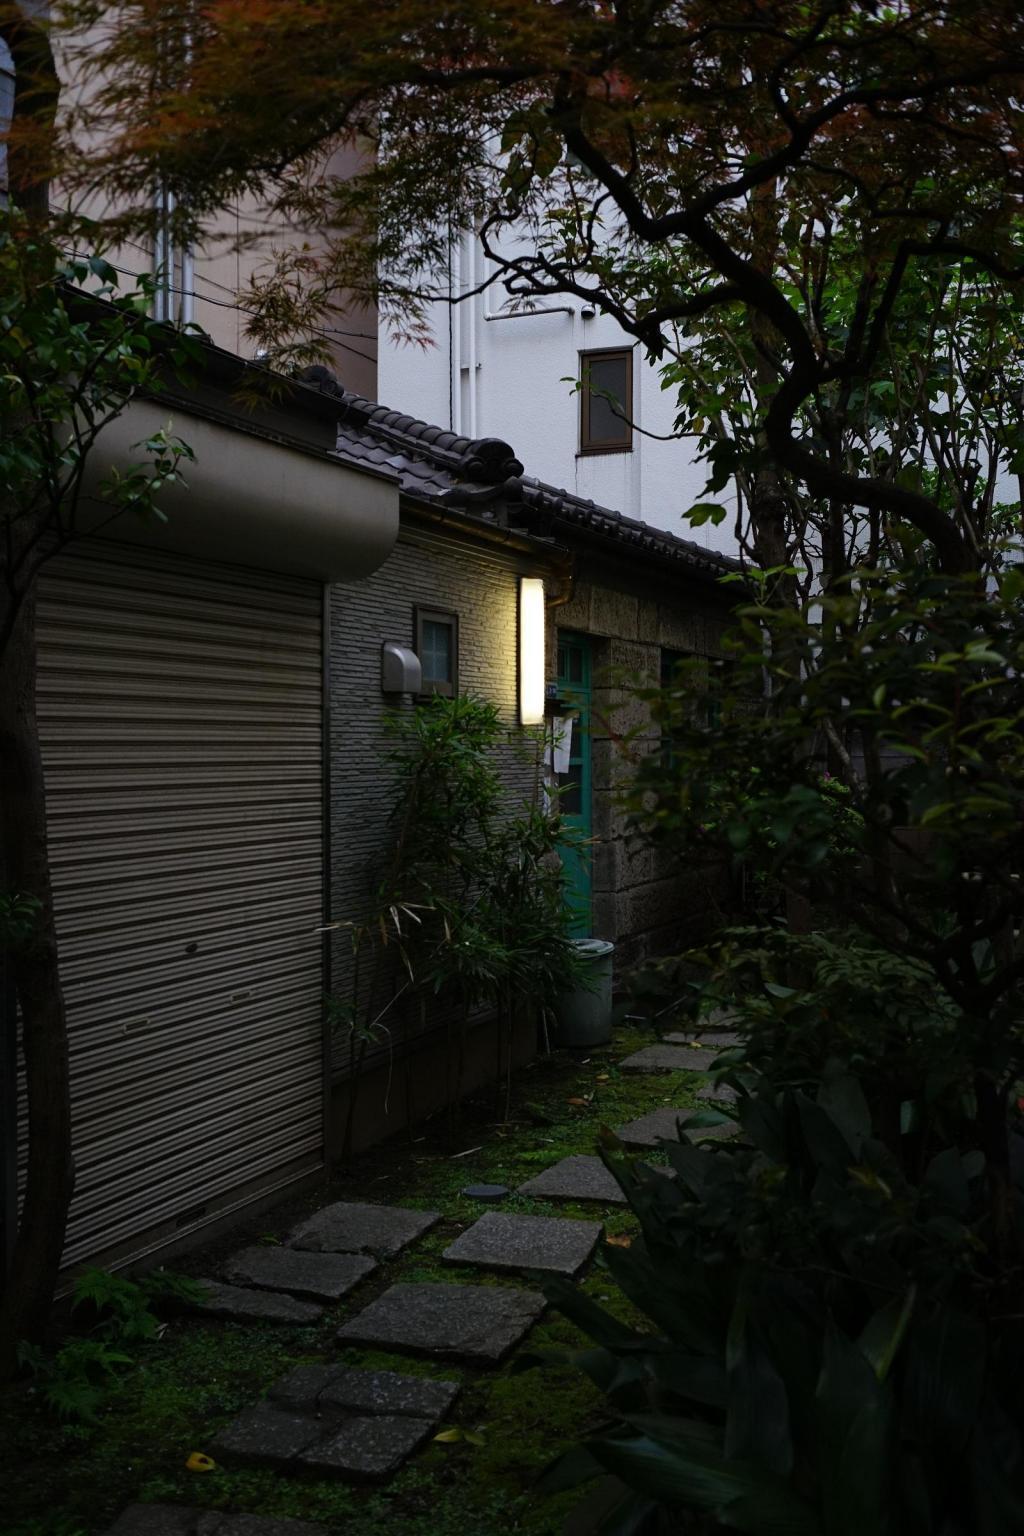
(531, 650)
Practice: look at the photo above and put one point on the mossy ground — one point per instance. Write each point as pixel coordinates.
(73, 1480)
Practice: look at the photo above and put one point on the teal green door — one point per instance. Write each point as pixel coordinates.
(574, 786)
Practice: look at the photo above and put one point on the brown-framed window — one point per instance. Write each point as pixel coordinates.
(606, 401)
(436, 641)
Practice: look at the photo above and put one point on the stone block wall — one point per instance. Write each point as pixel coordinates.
(640, 899)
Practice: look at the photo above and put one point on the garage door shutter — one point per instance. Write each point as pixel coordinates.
(181, 715)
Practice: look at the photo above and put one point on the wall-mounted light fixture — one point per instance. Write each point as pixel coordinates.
(531, 650)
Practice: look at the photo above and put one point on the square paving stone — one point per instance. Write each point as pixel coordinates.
(327, 1276)
(669, 1058)
(549, 1243)
(367, 1449)
(579, 1178)
(155, 1520)
(232, 1301)
(479, 1323)
(263, 1525)
(714, 1040)
(719, 1093)
(302, 1385)
(184, 1520)
(389, 1392)
(267, 1436)
(349, 1227)
(663, 1125)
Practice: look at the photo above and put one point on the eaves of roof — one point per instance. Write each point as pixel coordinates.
(484, 479)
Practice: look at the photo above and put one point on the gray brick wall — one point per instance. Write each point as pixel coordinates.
(639, 901)
(431, 570)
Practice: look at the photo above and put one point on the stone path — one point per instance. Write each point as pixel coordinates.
(331, 1420)
(541, 1243)
(719, 1039)
(718, 1093)
(580, 1178)
(380, 1230)
(669, 1058)
(184, 1520)
(325, 1257)
(327, 1276)
(660, 1125)
(255, 1306)
(479, 1324)
(337, 1422)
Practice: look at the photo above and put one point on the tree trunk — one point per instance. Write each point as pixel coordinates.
(28, 1292)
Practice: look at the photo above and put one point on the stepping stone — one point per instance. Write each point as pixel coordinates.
(580, 1178)
(340, 1389)
(714, 1040)
(300, 1388)
(348, 1227)
(327, 1276)
(668, 1058)
(254, 1306)
(663, 1125)
(548, 1243)
(367, 1449)
(256, 1525)
(719, 1093)
(184, 1520)
(388, 1392)
(575, 1178)
(336, 1421)
(265, 1436)
(486, 1191)
(155, 1520)
(478, 1323)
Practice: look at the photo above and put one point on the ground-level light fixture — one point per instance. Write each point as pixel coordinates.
(531, 650)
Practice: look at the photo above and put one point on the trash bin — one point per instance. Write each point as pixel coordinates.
(584, 1015)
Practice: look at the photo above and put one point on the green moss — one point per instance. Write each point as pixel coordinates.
(62, 1481)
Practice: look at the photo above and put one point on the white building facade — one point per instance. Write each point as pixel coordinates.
(493, 372)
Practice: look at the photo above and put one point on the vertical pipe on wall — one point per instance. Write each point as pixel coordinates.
(159, 257)
(187, 313)
(455, 310)
(471, 328)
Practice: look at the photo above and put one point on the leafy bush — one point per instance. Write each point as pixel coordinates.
(835, 1348)
(77, 1379)
(803, 1002)
(469, 909)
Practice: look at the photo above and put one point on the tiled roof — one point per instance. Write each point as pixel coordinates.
(485, 477)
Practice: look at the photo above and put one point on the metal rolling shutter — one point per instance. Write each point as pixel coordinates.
(181, 716)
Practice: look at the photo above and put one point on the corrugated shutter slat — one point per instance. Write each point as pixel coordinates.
(181, 716)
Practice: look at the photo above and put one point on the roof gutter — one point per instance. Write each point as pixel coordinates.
(555, 555)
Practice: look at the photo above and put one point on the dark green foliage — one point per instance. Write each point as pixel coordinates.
(62, 361)
(469, 910)
(19, 915)
(77, 1380)
(836, 1299)
(831, 1350)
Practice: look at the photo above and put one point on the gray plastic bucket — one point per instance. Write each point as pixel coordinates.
(584, 1015)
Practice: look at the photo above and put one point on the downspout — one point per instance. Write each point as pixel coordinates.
(471, 311)
(567, 577)
(455, 333)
